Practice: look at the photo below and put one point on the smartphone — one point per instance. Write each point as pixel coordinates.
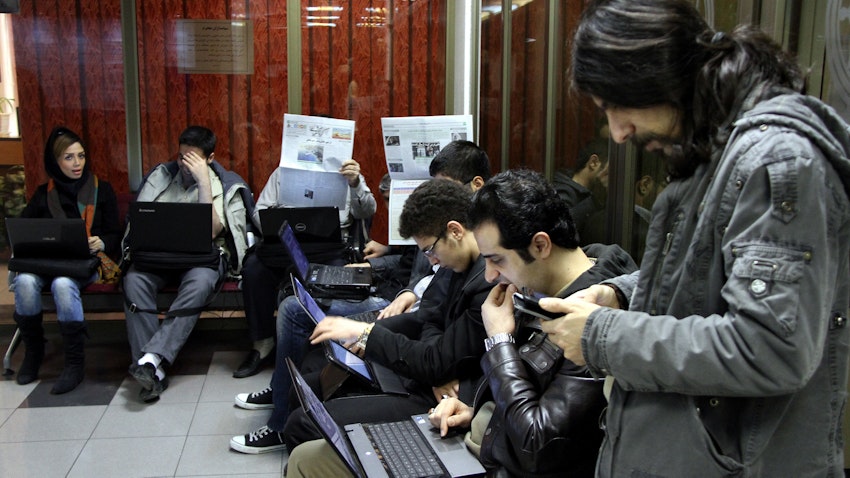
(529, 305)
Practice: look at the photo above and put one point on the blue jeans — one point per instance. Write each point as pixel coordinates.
(66, 295)
(294, 326)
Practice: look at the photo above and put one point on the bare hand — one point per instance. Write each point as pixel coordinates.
(598, 294)
(399, 305)
(197, 166)
(450, 413)
(337, 328)
(374, 249)
(566, 331)
(96, 244)
(497, 311)
(351, 170)
(449, 389)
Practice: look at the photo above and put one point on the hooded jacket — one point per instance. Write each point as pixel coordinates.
(546, 419)
(732, 359)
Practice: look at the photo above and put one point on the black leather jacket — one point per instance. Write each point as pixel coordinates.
(546, 419)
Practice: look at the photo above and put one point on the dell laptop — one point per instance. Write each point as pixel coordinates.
(409, 448)
(310, 224)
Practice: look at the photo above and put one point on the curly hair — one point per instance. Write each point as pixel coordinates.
(431, 206)
(522, 203)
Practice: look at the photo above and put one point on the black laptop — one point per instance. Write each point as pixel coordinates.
(324, 281)
(171, 227)
(310, 224)
(48, 238)
(376, 375)
(408, 448)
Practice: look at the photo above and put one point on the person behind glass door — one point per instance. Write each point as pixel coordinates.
(72, 191)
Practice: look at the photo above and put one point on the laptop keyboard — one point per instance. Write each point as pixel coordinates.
(336, 275)
(403, 450)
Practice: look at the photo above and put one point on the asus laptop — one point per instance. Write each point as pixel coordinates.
(311, 224)
(171, 227)
(336, 282)
(376, 375)
(48, 238)
(404, 449)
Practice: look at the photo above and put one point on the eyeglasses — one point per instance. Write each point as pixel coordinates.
(429, 251)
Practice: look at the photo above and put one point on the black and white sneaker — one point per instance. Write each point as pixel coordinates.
(255, 401)
(264, 440)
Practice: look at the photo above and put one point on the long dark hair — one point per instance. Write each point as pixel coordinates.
(642, 53)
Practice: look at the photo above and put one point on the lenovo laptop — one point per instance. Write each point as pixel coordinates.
(376, 375)
(48, 238)
(336, 282)
(405, 449)
(310, 224)
(171, 227)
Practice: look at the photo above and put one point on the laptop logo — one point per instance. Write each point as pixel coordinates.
(300, 227)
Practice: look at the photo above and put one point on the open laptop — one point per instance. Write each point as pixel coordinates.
(171, 227)
(311, 224)
(386, 449)
(48, 238)
(376, 375)
(336, 282)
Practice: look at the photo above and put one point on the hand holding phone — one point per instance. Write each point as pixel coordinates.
(529, 305)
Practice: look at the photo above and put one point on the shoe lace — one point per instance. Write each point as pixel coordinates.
(261, 392)
(263, 431)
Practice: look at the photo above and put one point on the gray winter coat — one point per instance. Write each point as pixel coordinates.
(732, 359)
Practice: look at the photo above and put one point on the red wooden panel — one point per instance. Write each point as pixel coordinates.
(437, 58)
(401, 52)
(341, 88)
(489, 129)
(419, 61)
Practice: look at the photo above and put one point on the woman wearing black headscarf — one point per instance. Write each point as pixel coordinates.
(72, 191)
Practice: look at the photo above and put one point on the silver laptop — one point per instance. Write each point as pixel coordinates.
(403, 449)
(48, 238)
(336, 282)
(171, 227)
(379, 377)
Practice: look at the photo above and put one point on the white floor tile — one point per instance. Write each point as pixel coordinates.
(206, 455)
(12, 394)
(223, 388)
(217, 418)
(4, 414)
(225, 363)
(129, 457)
(49, 424)
(141, 420)
(181, 389)
(39, 459)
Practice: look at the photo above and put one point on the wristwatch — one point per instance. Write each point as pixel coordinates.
(491, 342)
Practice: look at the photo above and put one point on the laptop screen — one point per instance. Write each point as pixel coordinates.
(342, 355)
(314, 408)
(287, 237)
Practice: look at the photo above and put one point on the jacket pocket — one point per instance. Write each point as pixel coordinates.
(765, 284)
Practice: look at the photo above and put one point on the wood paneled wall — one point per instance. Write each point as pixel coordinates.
(70, 72)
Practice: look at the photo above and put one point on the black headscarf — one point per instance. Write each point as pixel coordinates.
(66, 185)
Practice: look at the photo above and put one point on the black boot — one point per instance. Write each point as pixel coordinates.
(32, 335)
(73, 335)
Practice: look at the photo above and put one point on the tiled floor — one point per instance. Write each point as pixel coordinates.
(101, 429)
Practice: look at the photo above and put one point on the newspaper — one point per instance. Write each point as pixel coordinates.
(410, 143)
(311, 155)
